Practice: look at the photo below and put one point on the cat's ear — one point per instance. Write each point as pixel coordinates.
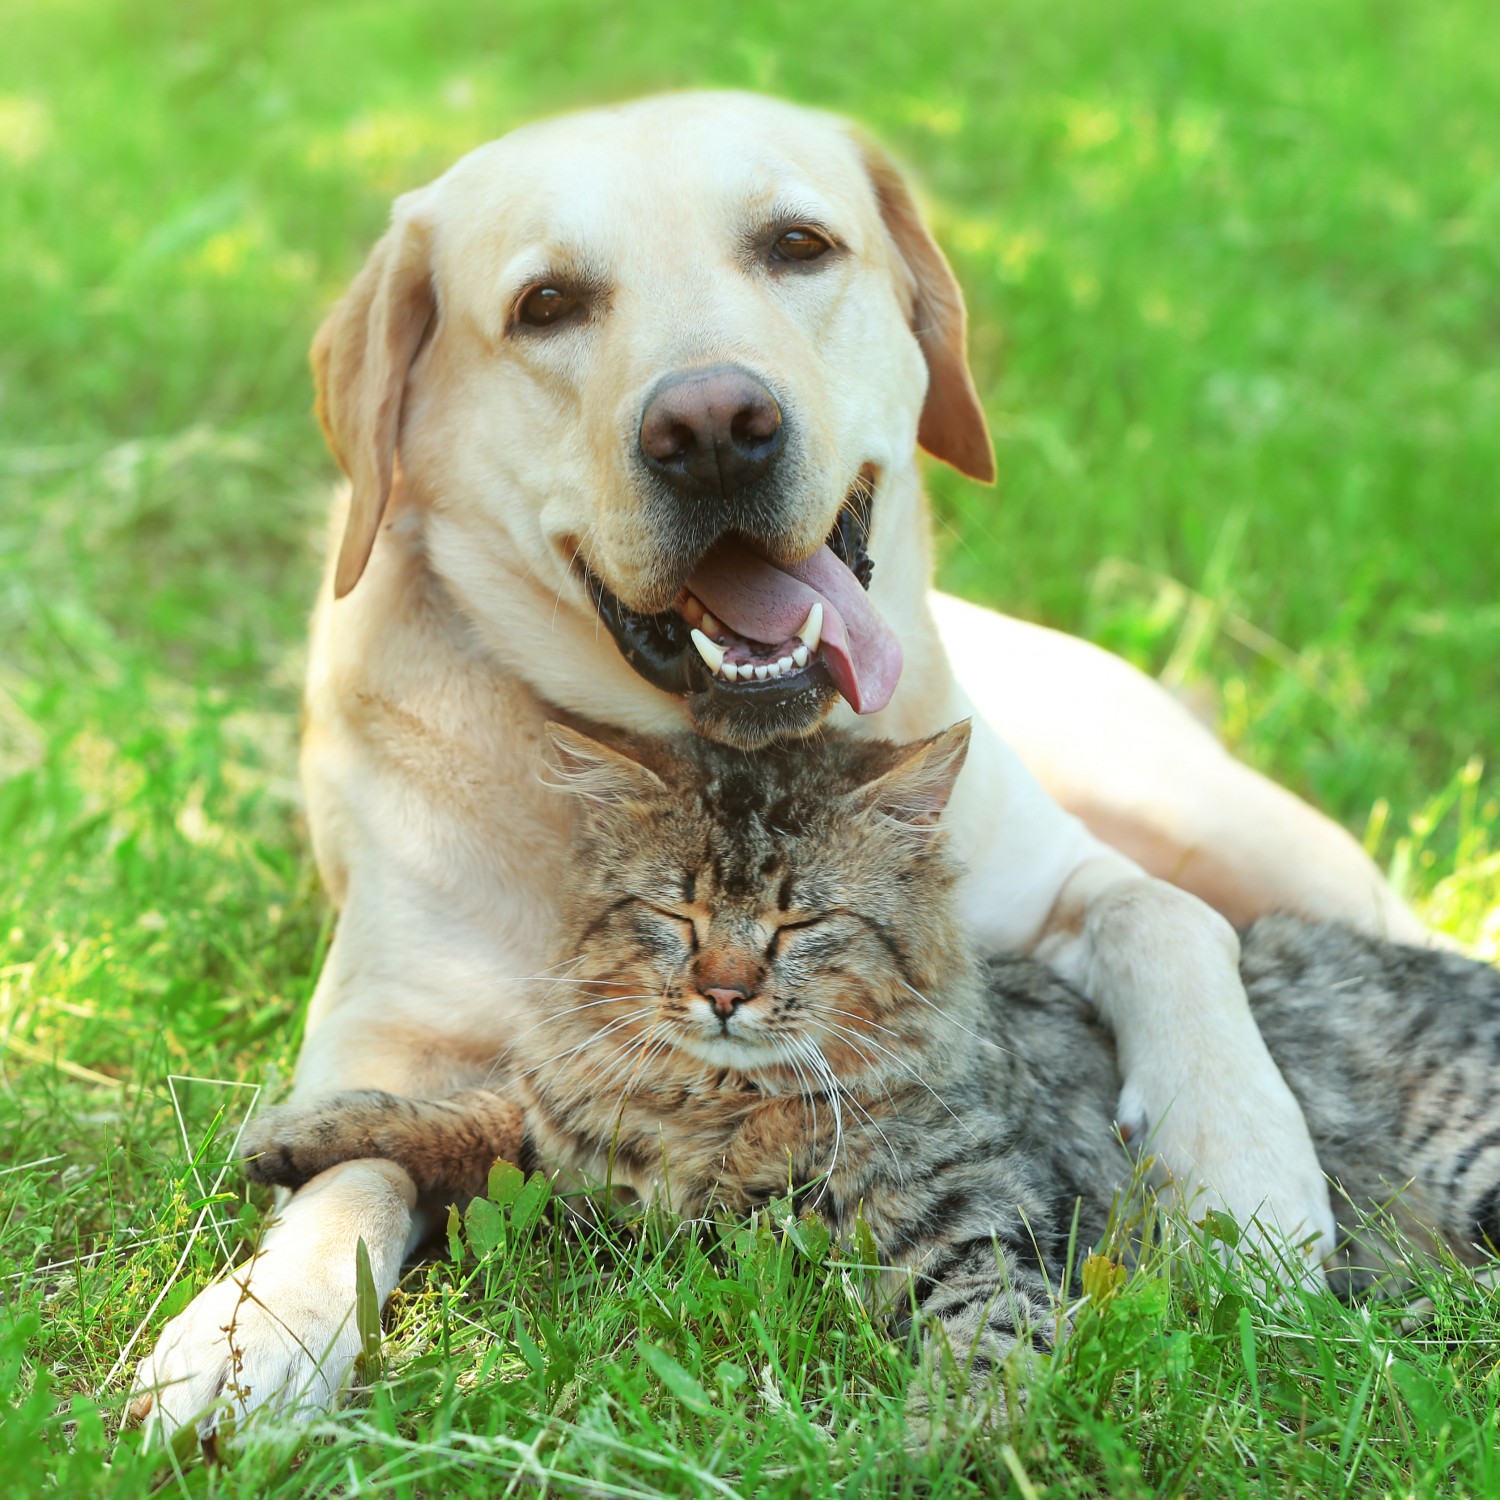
(599, 774)
(916, 789)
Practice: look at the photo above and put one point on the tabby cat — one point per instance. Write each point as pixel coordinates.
(766, 985)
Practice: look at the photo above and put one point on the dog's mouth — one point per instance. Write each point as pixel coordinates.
(748, 639)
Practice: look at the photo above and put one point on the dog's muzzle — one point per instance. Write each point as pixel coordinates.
(761, 651)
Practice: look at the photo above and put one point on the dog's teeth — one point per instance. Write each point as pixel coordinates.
(711, 653)
(785, 664)
(762, 673)
(731, 672)
(709, 625)
(811, 631)
(801, 656)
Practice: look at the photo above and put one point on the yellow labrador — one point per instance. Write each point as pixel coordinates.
(630, 403)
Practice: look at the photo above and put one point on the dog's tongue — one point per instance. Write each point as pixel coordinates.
(766, 603)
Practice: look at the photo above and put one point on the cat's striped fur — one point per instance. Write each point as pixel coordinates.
(765, 989)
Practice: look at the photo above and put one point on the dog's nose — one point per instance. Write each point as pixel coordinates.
(725, 999)
(711, 432)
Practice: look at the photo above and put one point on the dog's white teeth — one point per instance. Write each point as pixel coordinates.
(811, 630)
(709, 625)
(711, 653)
(761, 672)
(801, 656)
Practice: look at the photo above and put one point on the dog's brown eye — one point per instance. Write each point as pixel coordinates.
(543, 306)
(801, 245)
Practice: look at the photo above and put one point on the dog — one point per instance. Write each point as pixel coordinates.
(629, 403)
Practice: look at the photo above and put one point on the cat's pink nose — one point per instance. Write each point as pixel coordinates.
(725, 999)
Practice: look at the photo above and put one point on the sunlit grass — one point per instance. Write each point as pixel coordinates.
(1231, 275)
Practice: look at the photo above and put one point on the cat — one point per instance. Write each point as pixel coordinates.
(765, 987)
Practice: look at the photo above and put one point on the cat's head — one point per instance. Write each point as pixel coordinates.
(750, 910)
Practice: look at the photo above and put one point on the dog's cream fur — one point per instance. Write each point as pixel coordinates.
(431, 679)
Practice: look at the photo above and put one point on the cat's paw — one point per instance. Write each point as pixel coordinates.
(290, 1144)
(1241, 1149)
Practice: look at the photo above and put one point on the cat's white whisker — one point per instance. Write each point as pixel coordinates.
(810, 1053)
(834, 1010)
(784, 1051)
(855, 1103)
(842, 1090)
(590, 1041)
(810, 1093)
(573, 1010)
(501, 1063)
(906, 1068)
(953, 1021)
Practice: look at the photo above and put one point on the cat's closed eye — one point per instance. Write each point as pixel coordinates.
(786, 931)
(683, 923)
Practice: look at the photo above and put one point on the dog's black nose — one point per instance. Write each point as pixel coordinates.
(711, 432)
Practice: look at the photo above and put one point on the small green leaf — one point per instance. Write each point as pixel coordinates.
(177, 1299)
(530, 1202)
(1102, 1279)
(677, 1380)
(1247, 1353)
(455, 1236)
(810, 1235)
(484, 1227)
(505, 1182)
(530, 1350)
(90, 1434)
(1151, 1295)
(1421, 1395)
(366, 1309)
(1221, 1227)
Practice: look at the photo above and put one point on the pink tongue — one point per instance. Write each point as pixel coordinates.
(766, 603)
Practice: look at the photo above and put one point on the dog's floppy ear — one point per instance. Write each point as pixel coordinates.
(952, 427)
(360, 357)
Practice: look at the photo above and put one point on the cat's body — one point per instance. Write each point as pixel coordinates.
(766, 991)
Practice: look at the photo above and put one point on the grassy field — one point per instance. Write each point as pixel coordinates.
(1233, 273)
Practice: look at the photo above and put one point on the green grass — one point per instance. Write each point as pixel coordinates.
(1232, 276)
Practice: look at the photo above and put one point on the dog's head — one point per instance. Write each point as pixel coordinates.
(663, 366)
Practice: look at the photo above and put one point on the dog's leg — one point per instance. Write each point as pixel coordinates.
(1199, 1086)
(1149, 780)
(279, 1333)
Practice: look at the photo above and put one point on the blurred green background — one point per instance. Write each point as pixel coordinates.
(1233, 273)
(1234, 278)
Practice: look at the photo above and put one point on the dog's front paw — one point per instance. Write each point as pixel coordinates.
(249, 1342)
(279, 1334)
(1240, 1148)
